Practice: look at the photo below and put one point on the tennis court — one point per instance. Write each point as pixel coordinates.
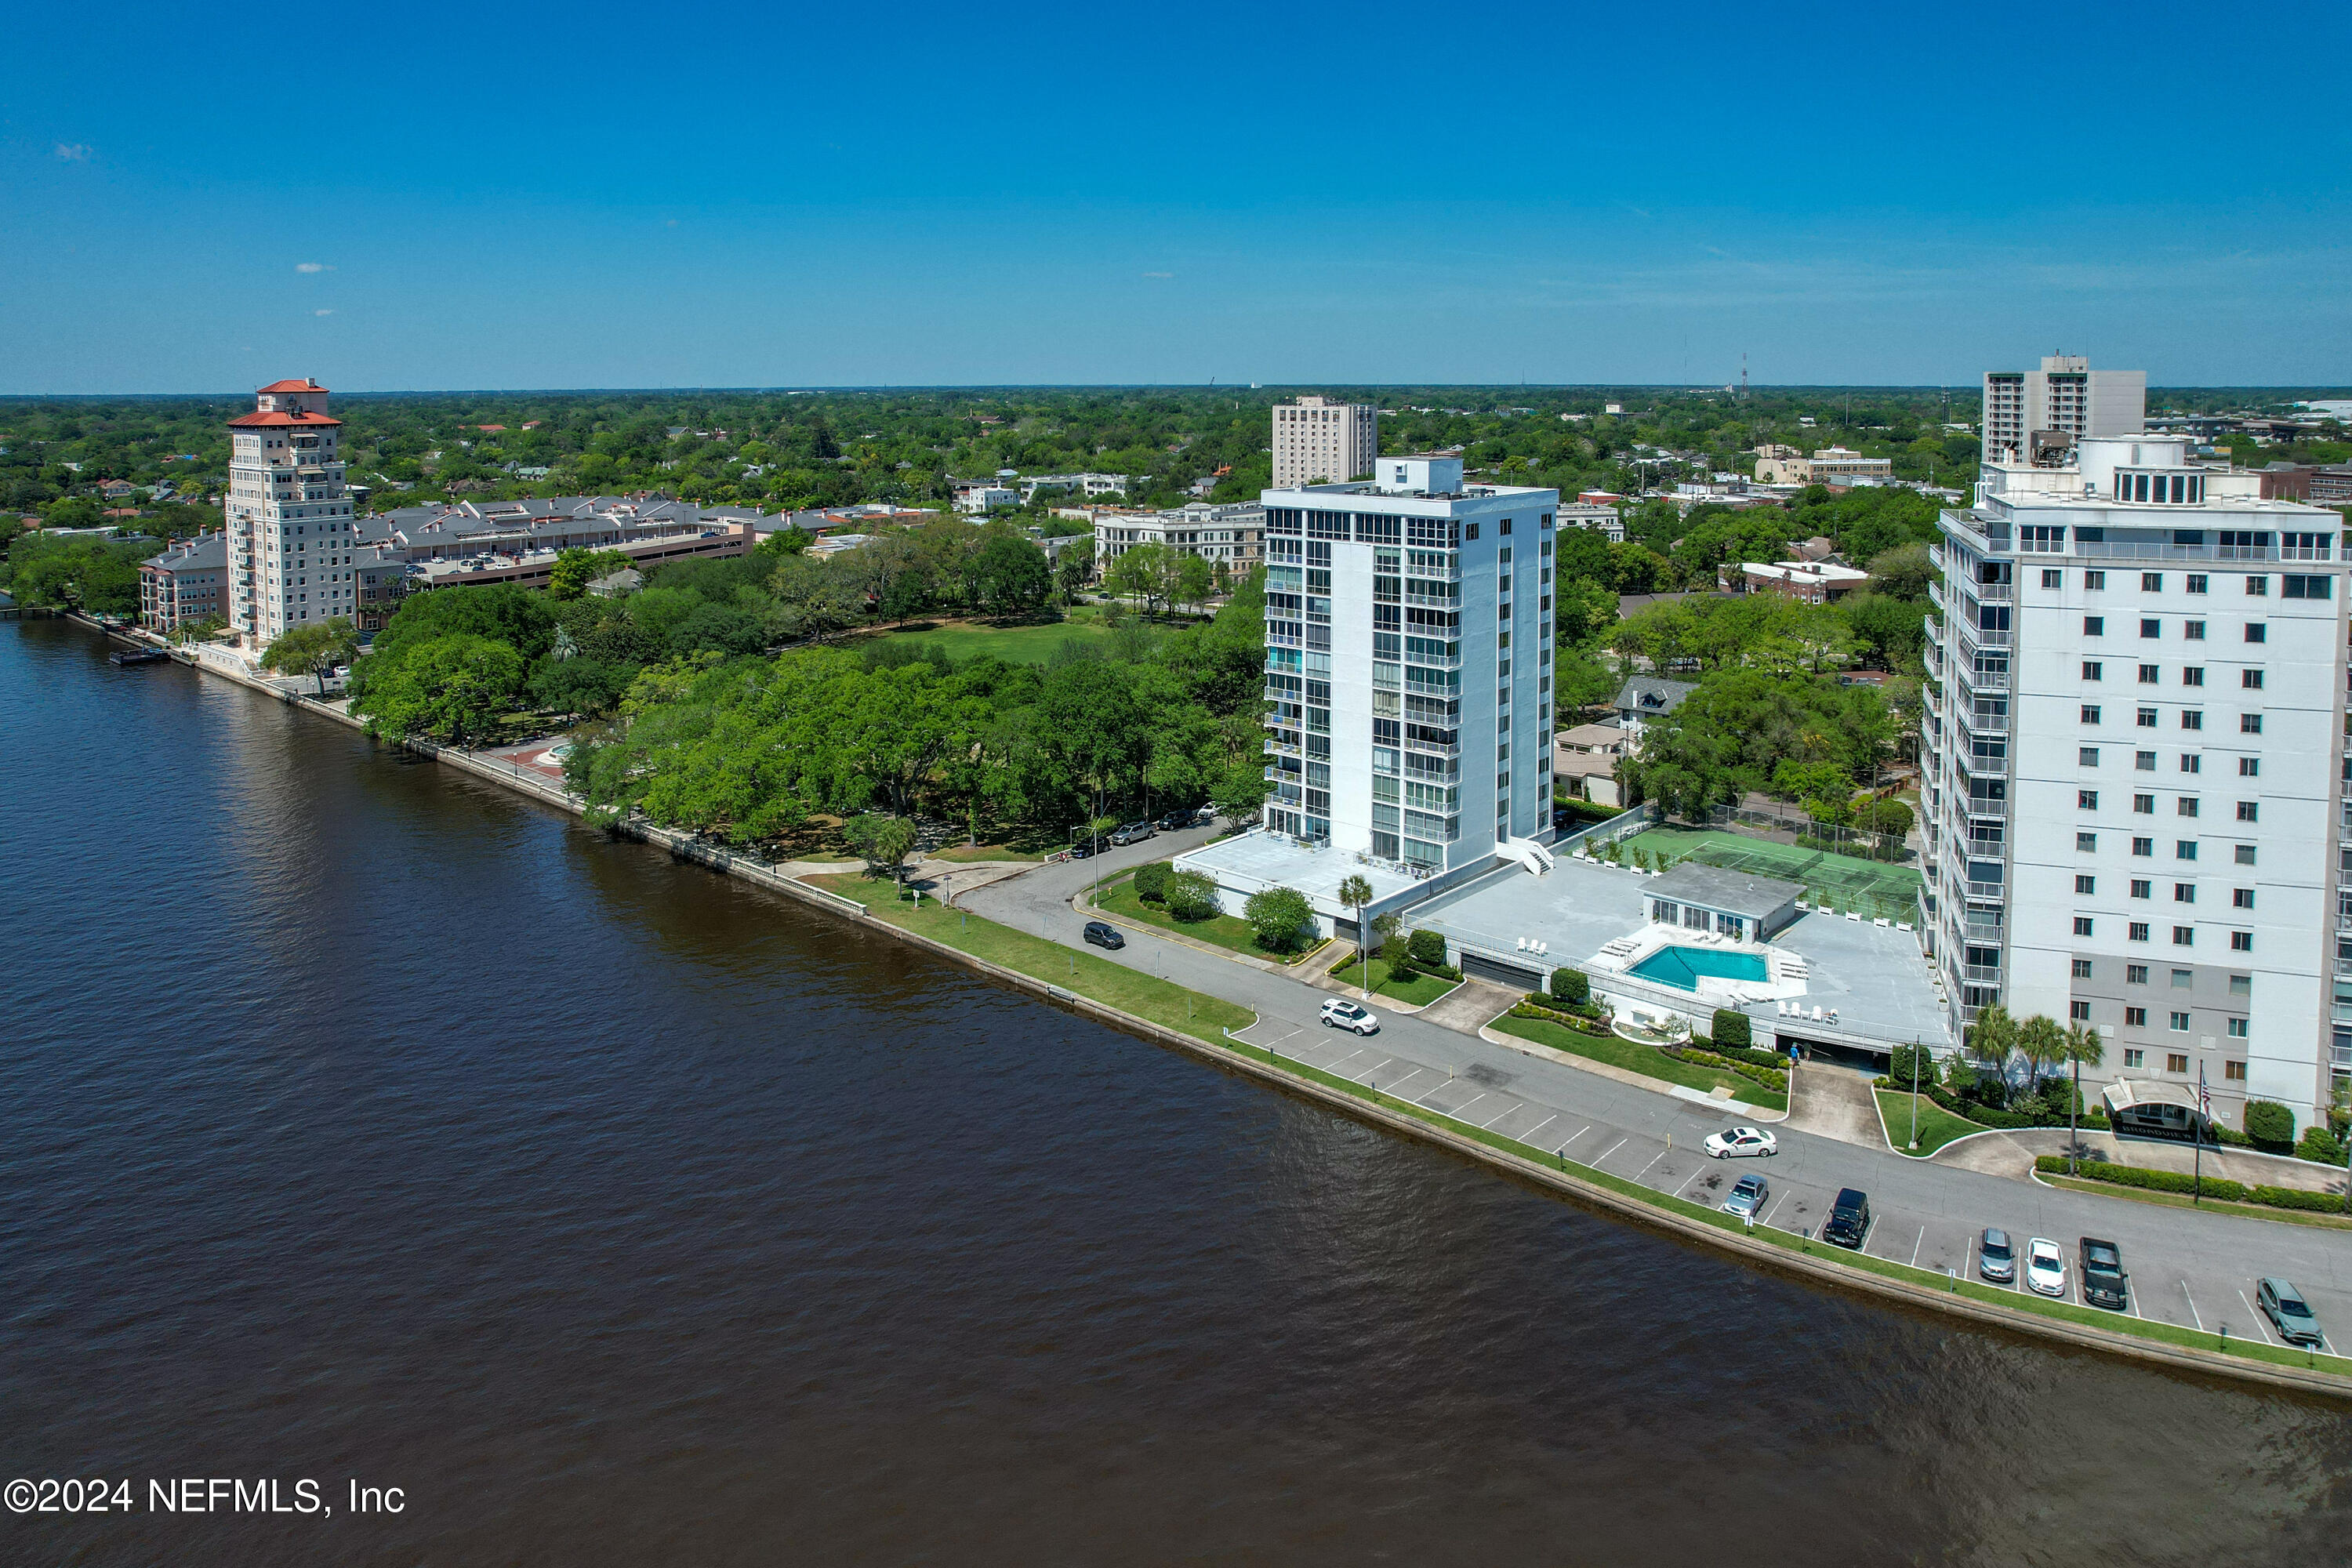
(1851, 883)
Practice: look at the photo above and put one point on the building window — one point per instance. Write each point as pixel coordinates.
(2250, 723)
(2082, 925)
(2086, 842)
(2085, 885)
(2249, 811)
(2242, 985)
(2086, 756)
(2184, 936)
(2090, 712)
(2091, 670)
(2133, 1058)
(2176, 1022)
(2082, 969)
(2237, 1028)
(2234, 1072)
(2249, 767)
(2137, 975)
(2184, 892)
(2095, 580)
(2259, 587)
(2151, 582)
(2144, 761)
(2094, 625)
(2184, 849)
(2151, 627)
(2149, 675)
(2294, 586)
(2174, 1061)
(2191, 763)
(2142, 888)
(2192, 719)
(2086, 799)
(2193, 675)
(2241, 942)
(2245, 854)
(2136, 1017)
(2051, 577)
(2196, 581)
(2144, 805)
(2146, 717)
(2080, 1012)
(2139, 930)
(2193, 630)
(2257, 631)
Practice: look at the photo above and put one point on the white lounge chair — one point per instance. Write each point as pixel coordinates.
(1817, 1013)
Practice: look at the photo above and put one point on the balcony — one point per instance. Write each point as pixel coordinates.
(1985, 973)
(1997, 593)
(1988, 892)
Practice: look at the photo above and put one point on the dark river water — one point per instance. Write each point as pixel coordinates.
(360, 1122)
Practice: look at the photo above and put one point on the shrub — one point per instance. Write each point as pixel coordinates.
(2218, 1188)
(2320, 1144)
(1151, 881)
(1571, 986)
(1191, 896)
(1280, 918)
(2270, 1124)
(1732, 1029)
(1903, 1058)
(1397, 954)
(1429, 950)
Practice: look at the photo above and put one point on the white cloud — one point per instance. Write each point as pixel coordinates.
(312, 266)
(74, 151)
(322, 312)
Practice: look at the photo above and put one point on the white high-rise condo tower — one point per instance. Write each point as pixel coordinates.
(1316, 442)
(2048, 410)
(288, 519)
(2133, 748)
(1408, 647)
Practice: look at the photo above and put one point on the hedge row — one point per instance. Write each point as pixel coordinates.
(2219, 1189)
(1580, 1023)
(1765, 1075)
(1993, 1116)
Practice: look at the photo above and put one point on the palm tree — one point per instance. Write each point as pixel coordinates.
(1993, 1034)
(2083, 1043)
(1355, 893)
(2041, 1041)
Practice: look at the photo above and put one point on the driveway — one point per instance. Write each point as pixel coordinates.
(1836, 1102)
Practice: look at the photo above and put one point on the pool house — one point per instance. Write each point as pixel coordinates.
(1725, 903)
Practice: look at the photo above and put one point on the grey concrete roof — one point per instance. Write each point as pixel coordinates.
(1654, 694)
(1734, 892)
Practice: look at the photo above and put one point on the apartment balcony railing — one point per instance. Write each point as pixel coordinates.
(1991, 892)
(1998, 593)
(1989, 974)
(1936, 594)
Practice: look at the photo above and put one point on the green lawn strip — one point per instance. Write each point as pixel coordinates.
(1647, 1060)
(1013, 645)
(2210, 1206)
(2117, 1322)
(1159, 1001)
(1938, 1126)
(962, 852)
(1228, 931)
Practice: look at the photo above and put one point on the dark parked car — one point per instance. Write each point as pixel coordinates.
(1849, 1222)
(1082, 849)
(1996, 1256)
(2284, 1305)
(1171, 821)
(1133, 833)
(2104, 1280)
(1103, 934)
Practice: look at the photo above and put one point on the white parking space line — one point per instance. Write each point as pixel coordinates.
(1351, 1056)
(1368, 1077)
(2194, 1316)
(1406, 1079)
(1529, 1136)
(1775, 1208)
(2261, 1327)
(1612, 1149)
(1654, 1160)
(1497, 1117)
(1572, 1138)
(1440, 1088)
(1918, 1245)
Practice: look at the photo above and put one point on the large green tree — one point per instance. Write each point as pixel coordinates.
(452, 688)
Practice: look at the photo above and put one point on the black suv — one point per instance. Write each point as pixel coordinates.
(2104, 1280)
(1102, 933)
(1849, 1222)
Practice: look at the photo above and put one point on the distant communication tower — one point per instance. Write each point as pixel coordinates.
(1743, 376)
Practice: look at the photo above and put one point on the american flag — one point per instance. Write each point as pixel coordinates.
(2204, 1095)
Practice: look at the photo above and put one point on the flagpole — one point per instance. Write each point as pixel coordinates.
(2197, 1133)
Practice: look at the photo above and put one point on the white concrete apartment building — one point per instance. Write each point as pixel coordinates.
(1606, 520)
(1316, 442)
(1408, 662)
(1233, 535)
(2066, 400)
(1827, 466)
(2132, 749)
(290, 544)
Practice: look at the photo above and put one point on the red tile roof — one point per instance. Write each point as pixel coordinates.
(305, 384)
(282, 417)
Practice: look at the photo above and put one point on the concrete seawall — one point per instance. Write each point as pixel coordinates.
(1819, 1267)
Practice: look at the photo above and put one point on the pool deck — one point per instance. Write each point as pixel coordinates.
(1876, 976)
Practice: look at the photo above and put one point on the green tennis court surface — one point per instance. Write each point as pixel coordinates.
(1850, 882)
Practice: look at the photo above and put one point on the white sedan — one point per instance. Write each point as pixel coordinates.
(2045, 1268)
(1340, 1013)
(1734, 1141)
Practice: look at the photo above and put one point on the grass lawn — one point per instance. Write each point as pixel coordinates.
(1643, 1059)
(962, 852)
(2181, 1201)
(1013, 644)
(1229, 932)
(1160, 1001)
(1419, 991)
(1938, 1126)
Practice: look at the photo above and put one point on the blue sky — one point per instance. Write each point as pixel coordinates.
(422, 196)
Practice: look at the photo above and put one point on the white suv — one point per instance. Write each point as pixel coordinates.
(1342, 1014)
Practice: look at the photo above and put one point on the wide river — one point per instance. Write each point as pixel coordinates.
(363, 1123)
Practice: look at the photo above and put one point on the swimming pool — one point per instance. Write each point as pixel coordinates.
(1682, 967)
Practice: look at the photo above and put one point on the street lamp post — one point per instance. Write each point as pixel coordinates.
(1914, 1094)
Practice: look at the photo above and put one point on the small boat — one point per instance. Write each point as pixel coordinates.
(138, 655)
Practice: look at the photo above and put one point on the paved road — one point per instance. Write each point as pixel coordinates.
(2195, 1270)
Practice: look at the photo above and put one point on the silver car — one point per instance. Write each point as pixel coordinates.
(1996, 1256)
(1748, 1196)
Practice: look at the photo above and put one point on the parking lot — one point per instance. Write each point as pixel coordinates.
(1920, 1224)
